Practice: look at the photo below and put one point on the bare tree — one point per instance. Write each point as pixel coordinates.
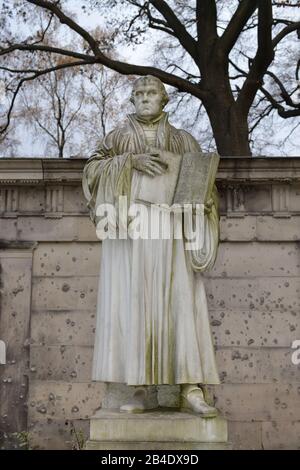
(67, 110)
(53, 104)
(210, 41)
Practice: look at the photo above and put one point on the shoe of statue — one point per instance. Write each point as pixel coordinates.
(140, 402)
(192, 398)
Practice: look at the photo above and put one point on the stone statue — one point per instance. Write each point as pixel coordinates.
(152, 316)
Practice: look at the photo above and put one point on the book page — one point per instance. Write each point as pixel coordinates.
(196, 179)
(158, 189)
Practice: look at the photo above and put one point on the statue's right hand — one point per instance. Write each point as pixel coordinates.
(149, 163)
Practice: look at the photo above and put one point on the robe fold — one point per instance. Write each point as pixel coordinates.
(152, 316)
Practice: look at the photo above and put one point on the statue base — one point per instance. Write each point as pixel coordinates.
(160, 429)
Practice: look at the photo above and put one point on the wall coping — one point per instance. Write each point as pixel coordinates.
(34, 171)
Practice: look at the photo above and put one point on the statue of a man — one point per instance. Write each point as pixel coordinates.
(152, 316)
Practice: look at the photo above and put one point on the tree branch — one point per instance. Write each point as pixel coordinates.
(286, 4)
(186, 40)
(264, 56)
(37, 74)
(64, 19)
(237, 23)
(284, 93)
(267, 111)
(206, 13)
(180, 83)
(284, 32)
(281, 111)
(41, 48)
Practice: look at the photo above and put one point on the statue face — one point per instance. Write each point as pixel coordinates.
(148, 101)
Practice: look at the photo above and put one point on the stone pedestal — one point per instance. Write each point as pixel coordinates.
(161, 429)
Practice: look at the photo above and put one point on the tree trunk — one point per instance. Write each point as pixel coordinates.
(230, 130)
(229, 123)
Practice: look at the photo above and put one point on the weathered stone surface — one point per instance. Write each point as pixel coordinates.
(74, 201)
(281, 435)
(66, 363)
(259, 402)
(8, 229)
(251, 259)
(167, 395)
(255, 328)
(156, 426)
(238, 229)
(62, 400)
(111, 445)
(294, 197)
(15, 283)
(257, 198)
(53, 434)
(21, 169)
(254, 293)
(277, 229)
(63, 327)
(252, 365)
(245, 436)
(31, 199)
(64, 293)
(67, 259)
(67, 228)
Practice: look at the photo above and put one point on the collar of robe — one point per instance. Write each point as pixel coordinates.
(150, 121)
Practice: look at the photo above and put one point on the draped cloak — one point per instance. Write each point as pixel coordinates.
(152, 317)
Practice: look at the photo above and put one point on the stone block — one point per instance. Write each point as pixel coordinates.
(15, 285)
(63, 328)
(258, 198)
(8, 230)
(117, 394)
(258, 402)
(238, 229)
(74, 200)
(63, 400)
(31, 199)
(111, 445)
(263, 365)
(67, 259)
(53, 434)
(278, 435)
(278, 229)
(156, 426)
(254, 293)
(66, 363)
(294, 197)
(21, 170)
(252, 259)
(254, 328)
(67, 228)
(64, 293)
(245, 436)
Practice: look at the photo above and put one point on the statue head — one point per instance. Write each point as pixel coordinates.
(149, 97)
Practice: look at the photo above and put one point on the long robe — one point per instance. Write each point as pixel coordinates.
(152, 317)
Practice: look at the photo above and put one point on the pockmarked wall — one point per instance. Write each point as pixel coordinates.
(49, 266)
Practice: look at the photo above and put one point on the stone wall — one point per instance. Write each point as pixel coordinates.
(49, 260)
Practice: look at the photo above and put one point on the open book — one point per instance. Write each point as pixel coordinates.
(189, 179)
